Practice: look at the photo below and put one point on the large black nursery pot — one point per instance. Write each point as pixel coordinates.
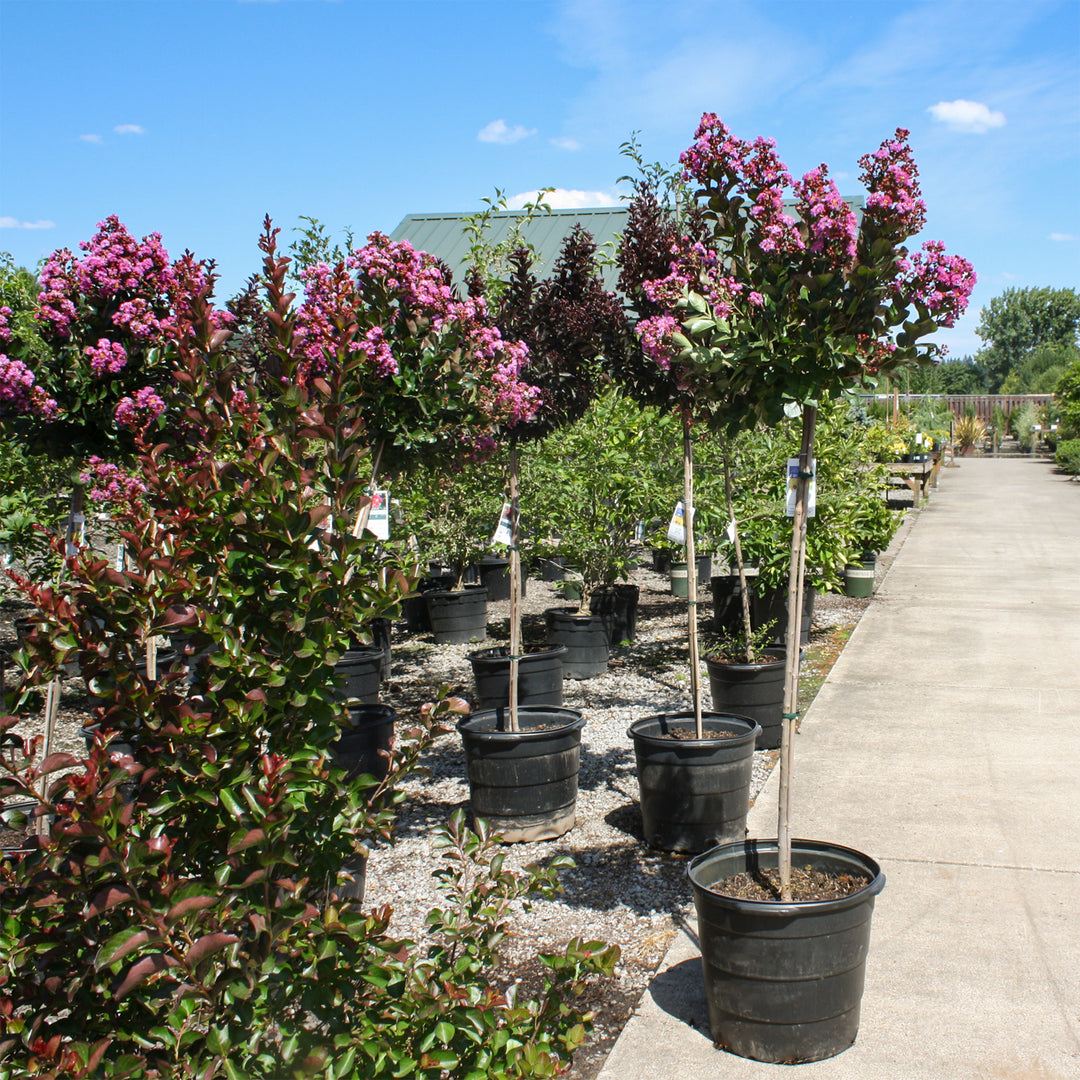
(494, 574)
(783, 982)
(359, 672)
(585, 638)
(727, 602)
(414, 607)
(367, 734)
(617, 605)
(752, 690)
(524, 783)
(458, 616)
(771, 606)
(540, 676)
(694, 793)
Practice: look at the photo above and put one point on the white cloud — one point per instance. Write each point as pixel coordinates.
(970, 116)
(92, 138)
(15, 223)
(129, 129)
(1061, 237)
(564, 199)
(498, 132)
(566, 144)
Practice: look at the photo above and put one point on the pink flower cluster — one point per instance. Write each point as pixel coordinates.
(942, 283)
(394, 305)
(5, 323)
(106, 358)
(892, 178)
(109, 483)
(19, 394)
(832, 223)
(138, 412)
(655, 334)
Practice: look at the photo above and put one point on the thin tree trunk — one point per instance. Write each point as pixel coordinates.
(515, 588)
(691, 574)
(796, 575)
(744, 592)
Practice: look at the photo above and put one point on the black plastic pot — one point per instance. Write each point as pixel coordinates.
(783, 982)
(553, 568)
(458, 616)
(414, 608)
(359, 672)
(494, 574)
(366, 734)
(770, 605)
(694, 793)
(540, 676)
(727, 603)
(524, 783)
(752, 690)
(585, 638)
(617, 605)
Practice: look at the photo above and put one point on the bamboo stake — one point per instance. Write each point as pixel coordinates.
(515, 588)
(365, 511)
(52, 706)
(744, 592)
(691, 574)
(796, 576)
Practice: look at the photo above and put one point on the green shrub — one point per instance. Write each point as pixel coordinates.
(1068, 456)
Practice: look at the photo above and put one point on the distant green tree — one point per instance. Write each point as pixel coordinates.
(1067, 398)
(1040, 370)
(1019, 321)
(949, 377)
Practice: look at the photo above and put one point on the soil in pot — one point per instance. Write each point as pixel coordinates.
(524, 783)
(694, 793)
(540, 676)
(783, 981)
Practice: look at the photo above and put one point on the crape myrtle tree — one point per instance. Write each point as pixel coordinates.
(180, 914)
(776, 310)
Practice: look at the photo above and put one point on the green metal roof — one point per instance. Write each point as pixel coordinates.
(443, 235)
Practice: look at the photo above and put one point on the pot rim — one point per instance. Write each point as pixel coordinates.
(499, 653)
(778, 908)
(575, 720)
(753, 729)
(778, 652)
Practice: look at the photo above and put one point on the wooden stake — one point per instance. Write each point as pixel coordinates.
(515, 589)
(691, 574)
(796, 576)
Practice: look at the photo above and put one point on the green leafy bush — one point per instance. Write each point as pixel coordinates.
(1067, 456)
(180, 916)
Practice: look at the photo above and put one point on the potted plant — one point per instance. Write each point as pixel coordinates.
(740, 335)
(969, 432)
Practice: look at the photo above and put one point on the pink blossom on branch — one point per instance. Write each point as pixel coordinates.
(107, 357)
(941, 283)
(109, 483)
(139, 412)
(19, 394)
(891, 177)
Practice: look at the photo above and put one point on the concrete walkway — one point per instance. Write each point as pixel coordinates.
(946, 745)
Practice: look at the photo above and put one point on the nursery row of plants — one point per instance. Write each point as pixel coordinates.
(182, 906)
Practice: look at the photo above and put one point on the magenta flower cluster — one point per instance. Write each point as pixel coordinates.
(941, 283)
(891, 177)
(137, 413)
(832, 223)
(19, 394)
(393, 304)
(109, 483)
(107, 357)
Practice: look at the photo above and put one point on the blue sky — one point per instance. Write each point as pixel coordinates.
(194, 118)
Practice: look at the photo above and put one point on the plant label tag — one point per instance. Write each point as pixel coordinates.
(503, 531)
(676, 530)
(793, 483)
(378, 522)
(121, 558)
(731, 531)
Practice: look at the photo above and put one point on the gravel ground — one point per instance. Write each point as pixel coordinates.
(620, 891)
